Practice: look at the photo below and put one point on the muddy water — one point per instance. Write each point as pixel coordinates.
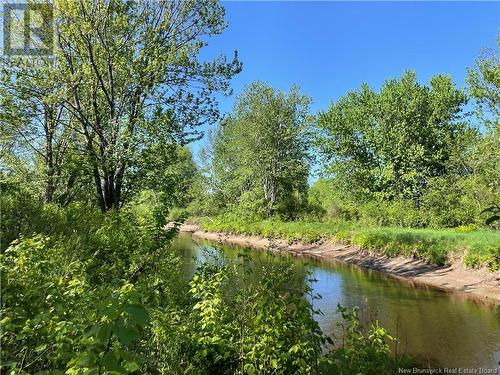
(434, 327)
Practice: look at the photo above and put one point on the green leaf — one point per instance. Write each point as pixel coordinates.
(85, 360)
(138, 313)
(249, 368)
(40, 348)
(110, 362)
(126, 335)
(274, 363)
(103, 333)
(131, 366)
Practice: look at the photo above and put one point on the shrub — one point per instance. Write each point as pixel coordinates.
(493, 262)
(79, 299)
(467, 228)
(19, 210)
(447, 204)
(104, 294)
(364, 351)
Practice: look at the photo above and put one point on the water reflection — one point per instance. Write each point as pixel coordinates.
(432, 326)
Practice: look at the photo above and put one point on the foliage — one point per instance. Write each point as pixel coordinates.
(362, 352)
(242, 328)
(77, 296)
(389, 143)
(103, 294)
(484, 86)
(448, 201)
(125, 81)
(94, 161)
(494, 211)
(37, 128)
(435, 246)
(403, 156)
(171, 173)
(19, 209)
(490, 258)
(259, 161)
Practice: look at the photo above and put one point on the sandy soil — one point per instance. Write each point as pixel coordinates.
(481, 285)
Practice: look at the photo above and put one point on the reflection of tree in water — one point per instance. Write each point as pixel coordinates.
(427, 322)
(430, 325)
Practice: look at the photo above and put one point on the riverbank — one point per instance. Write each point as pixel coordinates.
(478, 284)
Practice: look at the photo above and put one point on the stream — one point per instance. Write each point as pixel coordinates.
(434, 327)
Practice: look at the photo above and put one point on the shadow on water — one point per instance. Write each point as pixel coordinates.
(432, 326)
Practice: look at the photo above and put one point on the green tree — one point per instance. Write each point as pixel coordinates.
(129, 74)
(390, 143)
(260, 155)
(37, 129)
(483, 82)
(170, 171)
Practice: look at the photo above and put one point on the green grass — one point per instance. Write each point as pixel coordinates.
(480, 247)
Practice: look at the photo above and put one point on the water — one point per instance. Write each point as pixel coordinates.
(434, 327)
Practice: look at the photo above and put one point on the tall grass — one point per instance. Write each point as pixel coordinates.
(479, 247)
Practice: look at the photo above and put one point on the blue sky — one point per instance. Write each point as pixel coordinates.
(329, 48)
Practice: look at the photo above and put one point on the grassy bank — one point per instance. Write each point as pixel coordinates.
(480, 247)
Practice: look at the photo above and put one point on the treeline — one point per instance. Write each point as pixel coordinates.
(408, 154)
(103, 121)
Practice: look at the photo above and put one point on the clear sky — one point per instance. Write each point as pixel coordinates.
(329, 48)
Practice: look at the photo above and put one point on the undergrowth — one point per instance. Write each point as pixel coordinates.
(481, 247)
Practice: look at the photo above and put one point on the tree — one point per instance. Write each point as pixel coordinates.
(390, 143)
(483, 82)
(261, 151)
(171, 172)
(128, 72)
(36, 127)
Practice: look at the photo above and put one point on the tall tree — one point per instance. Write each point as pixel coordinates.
(129, 72)
(393, 141)
(483, 82)
(261, 150)
(36, 126)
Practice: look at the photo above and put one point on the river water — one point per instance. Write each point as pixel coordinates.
(434, 327)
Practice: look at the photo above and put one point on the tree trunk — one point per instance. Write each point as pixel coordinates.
(49, 177)
(108, 189)
(49, 128)
(269, 194)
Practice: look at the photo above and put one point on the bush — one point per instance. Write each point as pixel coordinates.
(103, 294)
(447, 204)
(77, 296)
(54, 317)
(240, 327)
(19, 210)
(489, 258)
(364, 351)
(177, 214)
(467, 228)
(398, 213)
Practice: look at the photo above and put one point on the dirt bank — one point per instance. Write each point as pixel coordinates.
(481, 285)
